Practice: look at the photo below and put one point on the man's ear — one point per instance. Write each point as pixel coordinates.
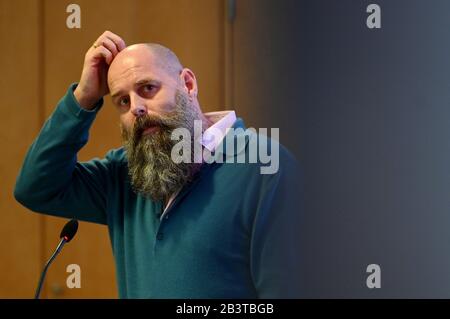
(189, 82)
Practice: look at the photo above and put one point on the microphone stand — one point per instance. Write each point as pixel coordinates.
(44, 272)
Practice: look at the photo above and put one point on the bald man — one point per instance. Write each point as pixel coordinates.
(189, 229)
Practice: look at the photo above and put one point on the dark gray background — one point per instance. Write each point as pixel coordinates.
(367, 112)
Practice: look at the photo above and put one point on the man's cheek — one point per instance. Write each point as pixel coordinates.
(125, 131)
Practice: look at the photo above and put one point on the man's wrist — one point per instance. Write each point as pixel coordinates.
(85, 102)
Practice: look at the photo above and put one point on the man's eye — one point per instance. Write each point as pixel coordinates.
(148, 87)
(123, 101)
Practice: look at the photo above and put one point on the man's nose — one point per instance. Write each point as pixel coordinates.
(139, 111)
(138, 107)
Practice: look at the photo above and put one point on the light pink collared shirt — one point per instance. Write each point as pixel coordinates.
(222, 121)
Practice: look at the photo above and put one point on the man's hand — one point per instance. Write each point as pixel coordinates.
(93, 83)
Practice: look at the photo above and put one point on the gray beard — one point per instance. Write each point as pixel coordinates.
(152, 172)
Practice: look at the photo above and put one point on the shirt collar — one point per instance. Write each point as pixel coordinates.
(222, 122)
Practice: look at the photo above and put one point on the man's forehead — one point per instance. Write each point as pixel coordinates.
(130, 69)
(129, 61)
(137, 52)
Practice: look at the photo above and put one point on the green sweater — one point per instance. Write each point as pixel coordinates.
(231, 233)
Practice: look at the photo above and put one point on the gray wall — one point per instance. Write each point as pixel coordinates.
(367, 113)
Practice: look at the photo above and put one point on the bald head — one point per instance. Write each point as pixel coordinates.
(164, 57)
(152, 54)
(151, 59)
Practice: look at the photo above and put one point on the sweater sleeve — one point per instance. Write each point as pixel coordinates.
(51, 180)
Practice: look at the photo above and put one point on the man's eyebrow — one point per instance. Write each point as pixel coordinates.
(138, 83)
(113, 96)
(146, 81)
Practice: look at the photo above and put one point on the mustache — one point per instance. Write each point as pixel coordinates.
(146, 121)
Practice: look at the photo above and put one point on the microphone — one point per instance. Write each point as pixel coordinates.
(67, 233)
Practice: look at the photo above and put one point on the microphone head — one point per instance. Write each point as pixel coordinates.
(69, 230)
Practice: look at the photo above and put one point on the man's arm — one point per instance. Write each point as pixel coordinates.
(276, 255)
(51, 180)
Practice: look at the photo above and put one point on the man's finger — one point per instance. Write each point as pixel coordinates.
(120, 43)
(110, 45)
(101, 51)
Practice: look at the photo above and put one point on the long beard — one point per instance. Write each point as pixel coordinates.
(151, 170)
